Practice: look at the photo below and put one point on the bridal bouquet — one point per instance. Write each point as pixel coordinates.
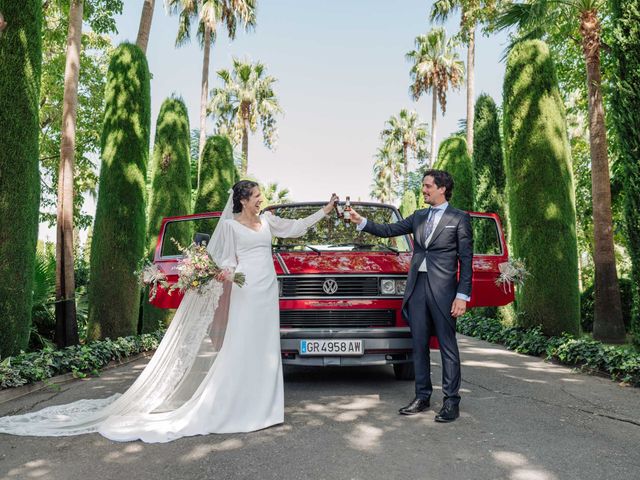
(197, 269)
(149, 275)
(512, 272)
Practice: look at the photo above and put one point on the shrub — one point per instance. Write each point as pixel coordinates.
(78, 359)
(620, 363)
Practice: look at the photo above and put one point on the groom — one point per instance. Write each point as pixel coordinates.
(434, 296)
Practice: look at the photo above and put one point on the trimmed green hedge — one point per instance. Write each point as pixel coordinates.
(409, 203)
(218, 174)
(20, 67)
(540, 190)
(622, 364)
(170, 191)
(79, 359)
(488, 163)
(625, 102)
(119, 229)
(453, 157)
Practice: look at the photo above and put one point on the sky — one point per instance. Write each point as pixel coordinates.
(341, 73)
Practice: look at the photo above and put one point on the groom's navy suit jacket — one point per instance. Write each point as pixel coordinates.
(451, 244)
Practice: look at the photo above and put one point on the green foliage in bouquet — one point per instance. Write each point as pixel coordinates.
(626, 113)
(217, 176)
(197, 268)
(540, 193)
(119, 230)
(170, 190)
(20, 69)
(453, 157)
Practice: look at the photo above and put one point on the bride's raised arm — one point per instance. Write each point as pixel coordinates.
(289, 228)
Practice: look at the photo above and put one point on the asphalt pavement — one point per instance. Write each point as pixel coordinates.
(521, 418)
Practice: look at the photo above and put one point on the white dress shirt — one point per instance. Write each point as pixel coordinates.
(438, 212)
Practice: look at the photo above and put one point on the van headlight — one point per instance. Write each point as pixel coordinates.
(391, 286)
(387, 286)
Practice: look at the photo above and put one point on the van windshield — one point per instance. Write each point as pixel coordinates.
(332, 234)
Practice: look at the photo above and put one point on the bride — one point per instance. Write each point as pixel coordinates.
(218, 368)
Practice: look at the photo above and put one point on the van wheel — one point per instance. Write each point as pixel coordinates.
(404, 371)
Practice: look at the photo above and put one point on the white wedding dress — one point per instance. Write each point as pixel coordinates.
(217, 370)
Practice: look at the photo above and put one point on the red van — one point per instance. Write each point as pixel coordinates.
(341, 290)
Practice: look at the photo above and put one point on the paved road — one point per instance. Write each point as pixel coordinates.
(521, 419)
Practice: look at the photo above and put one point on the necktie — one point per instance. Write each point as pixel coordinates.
(428, 227)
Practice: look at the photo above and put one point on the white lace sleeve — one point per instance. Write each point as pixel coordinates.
(288, 228)
(224, 252)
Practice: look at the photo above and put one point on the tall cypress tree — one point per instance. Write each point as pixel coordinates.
(170, 188)
(488, 162)
(540, 190)
(454, 158)
(217, 176)
(488, 167)
(626, 112)
(119, 228)
(20, 67)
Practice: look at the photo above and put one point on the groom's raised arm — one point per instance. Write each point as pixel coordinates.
(402, 227)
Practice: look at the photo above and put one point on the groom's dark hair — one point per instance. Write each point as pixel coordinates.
(442, 179)
(242, 191)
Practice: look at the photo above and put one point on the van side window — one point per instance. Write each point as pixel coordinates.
(185, 232)
(486, 237)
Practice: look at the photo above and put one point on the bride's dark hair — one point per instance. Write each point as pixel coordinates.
(242, 191)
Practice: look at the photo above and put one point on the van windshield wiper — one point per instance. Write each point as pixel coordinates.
(288, 245)
(393, 249)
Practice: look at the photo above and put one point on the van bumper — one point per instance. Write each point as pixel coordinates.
(381, 346)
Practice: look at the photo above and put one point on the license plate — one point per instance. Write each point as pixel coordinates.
(331, 347)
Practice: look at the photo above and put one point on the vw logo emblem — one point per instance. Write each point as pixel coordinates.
(330, 286)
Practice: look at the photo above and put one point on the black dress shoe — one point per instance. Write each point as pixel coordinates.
(417, 405)
(448, 413)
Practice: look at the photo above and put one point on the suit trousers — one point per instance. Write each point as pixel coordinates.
(426, 319)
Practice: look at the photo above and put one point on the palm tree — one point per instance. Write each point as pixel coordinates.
(209, 13)
(245, 99)
(274, 195)
(436, 68)
(472, 13)
(405, 133)
(145, 24)
(533, 20)
(386, 171)
(66, 323)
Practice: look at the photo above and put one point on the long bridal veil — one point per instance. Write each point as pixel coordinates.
(169, 382)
